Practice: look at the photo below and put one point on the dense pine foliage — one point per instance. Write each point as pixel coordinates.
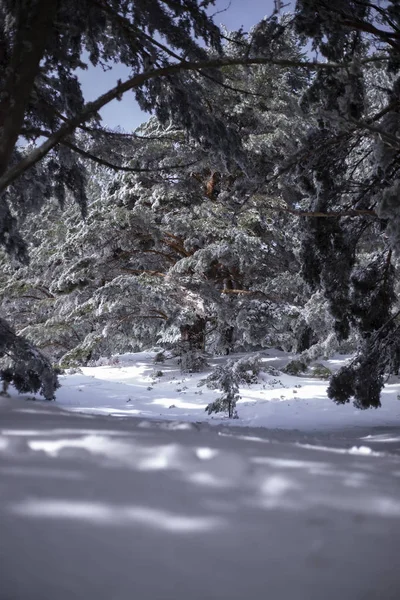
(258, 206)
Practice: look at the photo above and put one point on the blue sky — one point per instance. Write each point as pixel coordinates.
(126, 113)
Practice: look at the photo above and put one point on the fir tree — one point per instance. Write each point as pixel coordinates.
(191, 251)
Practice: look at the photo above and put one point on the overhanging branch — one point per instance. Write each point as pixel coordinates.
(92, 108)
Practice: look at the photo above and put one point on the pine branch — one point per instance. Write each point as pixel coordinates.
(357, 24)
(252, 293)
(142, 271)
(382, 11)
(133, 32)
(390, 139)
(158, 314)
(92, 108)
(114, 167)
(326, 215)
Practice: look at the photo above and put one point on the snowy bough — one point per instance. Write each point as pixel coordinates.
(22, 365)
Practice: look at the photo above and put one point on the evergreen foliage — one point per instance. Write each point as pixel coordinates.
(42, 45)
(258, 206)
(228, 378)
(353, 175)
(188, 253)
(23, 366)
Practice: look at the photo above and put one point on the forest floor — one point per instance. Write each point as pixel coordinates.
(133, 385)
(181, 506)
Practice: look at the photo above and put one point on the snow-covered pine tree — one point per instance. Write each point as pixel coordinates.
(194, 250)
(228, 378)
(347, 169)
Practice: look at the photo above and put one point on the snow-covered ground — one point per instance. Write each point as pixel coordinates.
(302, 505)
(98, 508)
(129, 386)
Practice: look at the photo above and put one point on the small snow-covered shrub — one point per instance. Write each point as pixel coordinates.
(228, 377)
(272, 371)
(295, 367)
(193, 361)
(248, 369)
(73, 371)
(160, 357)
(319, 371)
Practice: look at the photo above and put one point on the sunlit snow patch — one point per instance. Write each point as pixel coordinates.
(361, 450)
(247, 438)
(382, 438)
(277, 485)
(107, 514)
(206, 453)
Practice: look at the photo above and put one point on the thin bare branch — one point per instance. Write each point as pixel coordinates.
(325, 215)
(109, 165)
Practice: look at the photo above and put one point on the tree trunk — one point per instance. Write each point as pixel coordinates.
(192, 346)
(34, 23)
(228, 339)
(193, 335)
(305, 339)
